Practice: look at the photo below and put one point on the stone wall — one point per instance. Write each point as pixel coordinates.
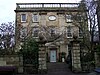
(12, 60)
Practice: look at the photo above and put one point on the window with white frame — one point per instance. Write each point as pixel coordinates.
(35, 31)
(80, 32)
(68, 18)
(69, 32)
(23, 17)
(35, 18)
(23, 32)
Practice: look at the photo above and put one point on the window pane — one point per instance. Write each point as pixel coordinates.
(68, 18)
(35, 18)
(79, 17)
(35, 32)
(23, 32)
(52, 31)
(69, 34)
(23, 17)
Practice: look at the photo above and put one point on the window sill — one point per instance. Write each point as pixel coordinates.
(69, 22)
(23, 21)
(35, 21)
(69, 37)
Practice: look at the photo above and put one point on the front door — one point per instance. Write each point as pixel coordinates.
(52, 56)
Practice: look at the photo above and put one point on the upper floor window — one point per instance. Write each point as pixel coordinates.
(35, 18)
(52, 32)
(35, 32)
(79, 18)
(23, 17)
(68, 18)
(80, 32)
(69, 32)
(23, 32)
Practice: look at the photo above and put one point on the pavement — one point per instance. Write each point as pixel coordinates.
(58, 69)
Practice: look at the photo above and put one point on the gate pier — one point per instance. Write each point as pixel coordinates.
(76, 63)
(42, 58)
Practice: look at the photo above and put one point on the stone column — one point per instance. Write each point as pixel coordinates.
(76, 63)
(42, 58)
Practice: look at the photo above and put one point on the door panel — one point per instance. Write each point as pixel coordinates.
(52, 56)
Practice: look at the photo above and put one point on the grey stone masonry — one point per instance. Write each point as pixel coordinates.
(42, 57)
(76, 63)
(12, 60)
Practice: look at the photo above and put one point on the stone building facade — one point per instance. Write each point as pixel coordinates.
(56, 22)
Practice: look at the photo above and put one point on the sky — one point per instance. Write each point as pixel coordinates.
(7, 7)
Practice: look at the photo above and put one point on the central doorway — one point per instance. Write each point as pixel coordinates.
(53, 56)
